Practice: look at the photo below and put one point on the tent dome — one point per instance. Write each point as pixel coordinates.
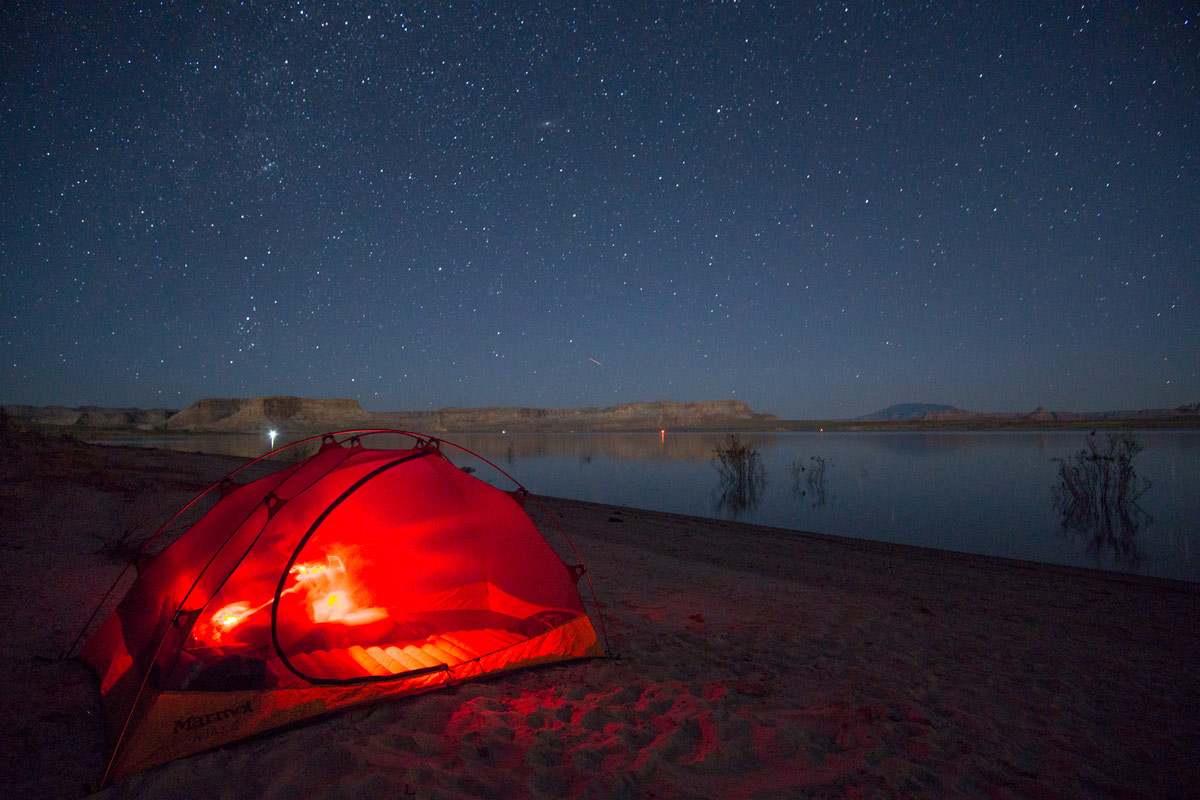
(355, 574)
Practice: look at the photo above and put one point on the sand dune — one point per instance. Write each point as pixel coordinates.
(752, 663)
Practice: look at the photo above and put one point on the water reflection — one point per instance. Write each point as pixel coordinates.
(1097, 496)
(587, 447)
(812, 476)
(650, 446)
(743, 478)
(982, 492)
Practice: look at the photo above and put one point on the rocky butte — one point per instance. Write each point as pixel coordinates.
(256, 414)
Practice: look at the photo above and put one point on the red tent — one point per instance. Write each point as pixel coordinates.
(356, 574)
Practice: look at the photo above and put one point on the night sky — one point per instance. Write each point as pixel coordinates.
(820, 209)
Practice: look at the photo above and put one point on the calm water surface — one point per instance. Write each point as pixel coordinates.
(976, 492)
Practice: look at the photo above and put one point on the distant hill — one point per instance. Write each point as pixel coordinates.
(932, 416)
(91, 416)
(908, 411)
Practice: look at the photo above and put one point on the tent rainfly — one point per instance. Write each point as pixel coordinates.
(356, 574)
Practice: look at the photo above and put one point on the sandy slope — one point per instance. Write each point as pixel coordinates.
(753, 663)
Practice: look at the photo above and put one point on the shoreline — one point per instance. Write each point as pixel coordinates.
(583, 512)
(979, 424)
(753, 662)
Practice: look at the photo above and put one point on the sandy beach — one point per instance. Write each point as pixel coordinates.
(748, 662)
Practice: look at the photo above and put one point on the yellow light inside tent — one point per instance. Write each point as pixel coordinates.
(232, 615)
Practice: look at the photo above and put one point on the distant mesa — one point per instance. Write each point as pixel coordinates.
(305, 415)
(910, 411)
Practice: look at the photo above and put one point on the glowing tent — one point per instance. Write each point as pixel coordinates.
(356, 574)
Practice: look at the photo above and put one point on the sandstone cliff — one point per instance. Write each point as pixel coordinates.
(306, 415)
(625, 417)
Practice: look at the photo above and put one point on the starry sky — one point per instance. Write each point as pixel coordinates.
(818, 208)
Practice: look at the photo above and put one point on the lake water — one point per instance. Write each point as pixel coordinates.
(976, 492)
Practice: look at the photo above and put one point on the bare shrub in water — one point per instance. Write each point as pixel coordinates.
(814, 477)
(1098, 492)
(742, 475)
